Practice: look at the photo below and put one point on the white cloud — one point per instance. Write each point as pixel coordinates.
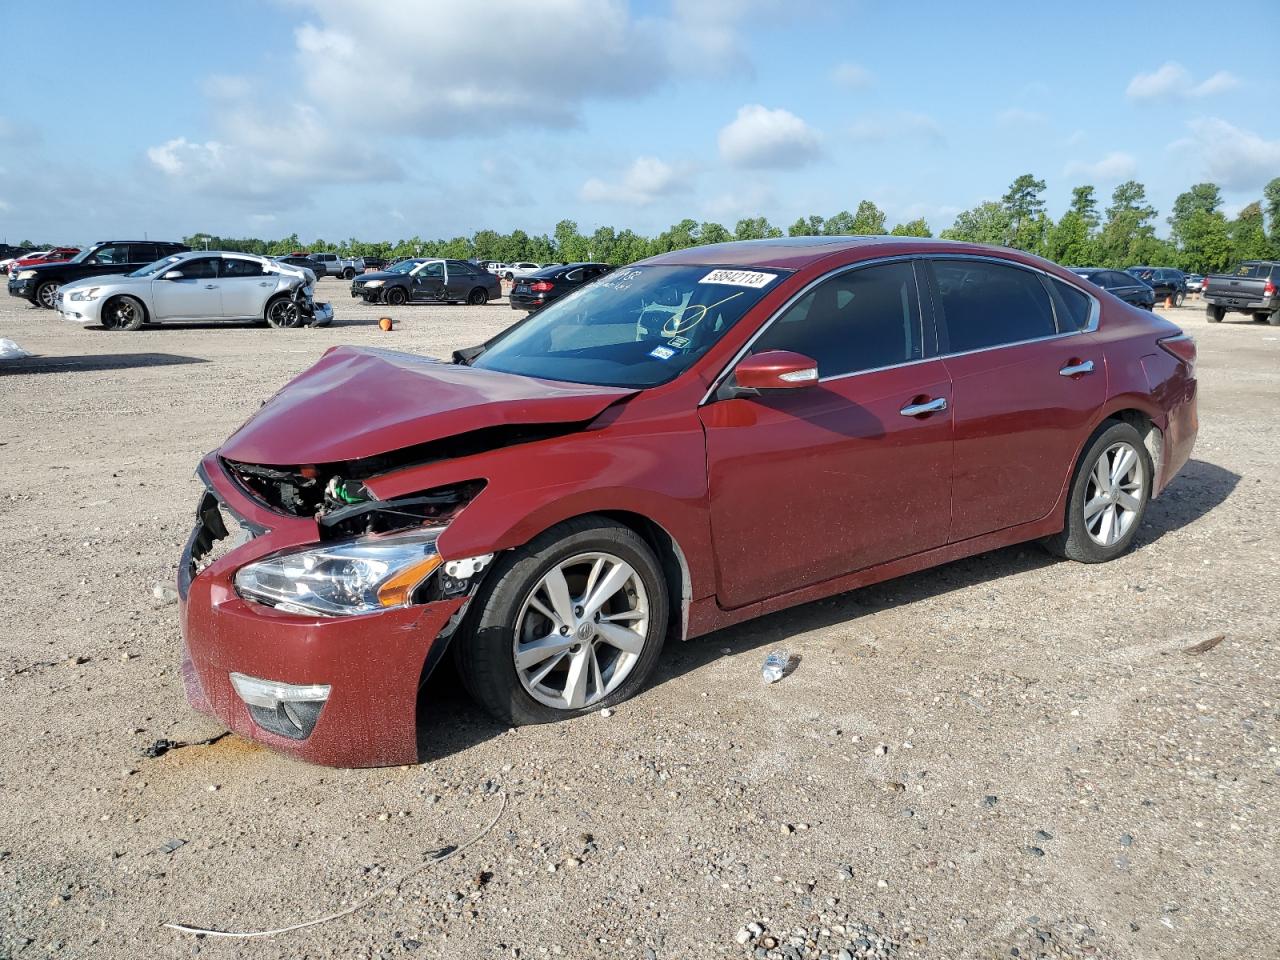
(1234, 158)
(647, 179)
(1173, 81)
(1116, 165)
(762, 138)
(5, 205)
(904, 124)
(1018, 117)
(852, 76)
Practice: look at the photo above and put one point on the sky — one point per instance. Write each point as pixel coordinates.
(382, 120)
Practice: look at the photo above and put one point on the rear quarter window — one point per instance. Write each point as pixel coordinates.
(1071, 307)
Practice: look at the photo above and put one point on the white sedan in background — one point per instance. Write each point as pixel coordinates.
(199, 285)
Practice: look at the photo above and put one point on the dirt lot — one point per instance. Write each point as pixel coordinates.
(1008, 756)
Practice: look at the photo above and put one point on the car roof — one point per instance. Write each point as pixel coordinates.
(794, 253)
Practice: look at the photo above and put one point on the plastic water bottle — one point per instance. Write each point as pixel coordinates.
(775, 666)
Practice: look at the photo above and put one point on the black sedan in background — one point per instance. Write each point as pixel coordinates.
(416, 280)
(1165, 281)
(551, 283)
(1123, 285)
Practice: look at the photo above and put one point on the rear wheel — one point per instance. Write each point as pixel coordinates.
(1178, 298)
(396, 296)
(1262, 318)
(571, 622)
(1108, 498)
(1215, 314)
(1274, 319)
(479, 297)
(47, 294)
(348, 274)
(123, 313)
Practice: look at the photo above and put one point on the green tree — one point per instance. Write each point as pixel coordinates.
(602, 245)
(677, 236)
(1201, 198)
(755, 228)
(1271, 198)
(1205, 242)
(986, 223)
(1070, 241)
(869, 220)
(1084, 203)
(839, 225)
(918, 227)
(1025, 208)
(1128, 224)
(571, 246)
(713, 233)
(812, 227)
(1248, 235)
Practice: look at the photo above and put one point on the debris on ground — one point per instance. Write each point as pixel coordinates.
(11, 351)
(171, 845)
(840, 938)
(776, 666)
(158, 748)
(164, 593)
(1204, 646)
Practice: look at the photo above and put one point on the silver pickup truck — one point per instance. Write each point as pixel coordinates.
(1250, 287)
(336, 266)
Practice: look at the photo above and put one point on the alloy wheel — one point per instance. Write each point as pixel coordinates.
(48, 295)
(581, 631)
(282, 313)
(1113, 495)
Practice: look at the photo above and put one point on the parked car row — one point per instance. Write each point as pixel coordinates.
(33, 257)
(40, 283)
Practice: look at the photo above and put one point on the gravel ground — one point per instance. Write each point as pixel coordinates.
(1006, 756)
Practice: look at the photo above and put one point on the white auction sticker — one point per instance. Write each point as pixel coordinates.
(739, 278)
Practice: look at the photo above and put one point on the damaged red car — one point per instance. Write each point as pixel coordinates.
(700, 438)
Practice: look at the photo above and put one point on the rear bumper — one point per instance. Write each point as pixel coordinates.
(528, 301)
(1244, 304)
(373, 664)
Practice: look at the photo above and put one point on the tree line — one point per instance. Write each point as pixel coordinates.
(1201, 237)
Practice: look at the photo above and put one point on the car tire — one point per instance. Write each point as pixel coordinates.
(123, 313)
(47, 294)
(1274, 318)
(1108, 498)
(1178, 298)
(395, 296)
(479, 297)
(1262, 318)
(282, 313)
(513, 597)
(1215, 314)
(348, 274)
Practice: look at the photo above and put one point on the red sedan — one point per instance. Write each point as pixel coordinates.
(700, 438)
(56, 255)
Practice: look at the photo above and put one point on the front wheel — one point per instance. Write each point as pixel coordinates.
(123, 313)
(47, 294)
(348, 274)
(572, 621)
(479, 297)
(395, 296)
(1215, 314)
(1108, 497)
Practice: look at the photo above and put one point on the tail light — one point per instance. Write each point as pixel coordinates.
(1270, 289)
(542, 286)
(1182, 347)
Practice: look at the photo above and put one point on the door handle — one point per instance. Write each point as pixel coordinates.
(1076, 368)
(211, 286)
(265, 283)
(921, 409)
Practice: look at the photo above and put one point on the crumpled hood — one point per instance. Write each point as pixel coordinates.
(357, 403)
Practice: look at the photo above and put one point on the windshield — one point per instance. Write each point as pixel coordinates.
(404, 266)
(636, 327)
(153, 268)
(83, 255)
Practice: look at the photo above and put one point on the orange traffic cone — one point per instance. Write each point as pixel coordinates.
(1168, 301)
(385, 323)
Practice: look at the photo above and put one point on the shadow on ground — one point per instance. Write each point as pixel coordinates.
(92, 362)
(449, 721)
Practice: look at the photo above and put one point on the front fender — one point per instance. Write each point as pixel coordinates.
(654, 470)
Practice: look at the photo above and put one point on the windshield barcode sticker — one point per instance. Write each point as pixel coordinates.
(739, 278)
(662, 353)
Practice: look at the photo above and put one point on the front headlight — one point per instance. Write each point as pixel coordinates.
(343, 579)
(90, 294)
(375, 283)
(26, 274)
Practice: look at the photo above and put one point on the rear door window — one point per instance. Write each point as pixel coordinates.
(238, 267)
(861, 320)
(987, 304)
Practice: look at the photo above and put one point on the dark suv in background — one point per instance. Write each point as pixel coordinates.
(1165, 281)
(39, 284)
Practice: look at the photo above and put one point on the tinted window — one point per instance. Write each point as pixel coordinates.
(1116, 279)
(860, 320)
(202, 268)
(1071, 307)
(235, 267)
(431, 270)
(143, 252)
(988, 304)
(112, 253)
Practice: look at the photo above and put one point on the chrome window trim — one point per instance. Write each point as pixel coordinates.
(1095, 312)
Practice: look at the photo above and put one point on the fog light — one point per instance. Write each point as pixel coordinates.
(282, 708)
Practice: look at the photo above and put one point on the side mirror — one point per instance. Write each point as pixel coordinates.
(776, 370)
(173, 275)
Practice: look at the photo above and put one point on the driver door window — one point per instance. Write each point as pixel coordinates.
(116, 253)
